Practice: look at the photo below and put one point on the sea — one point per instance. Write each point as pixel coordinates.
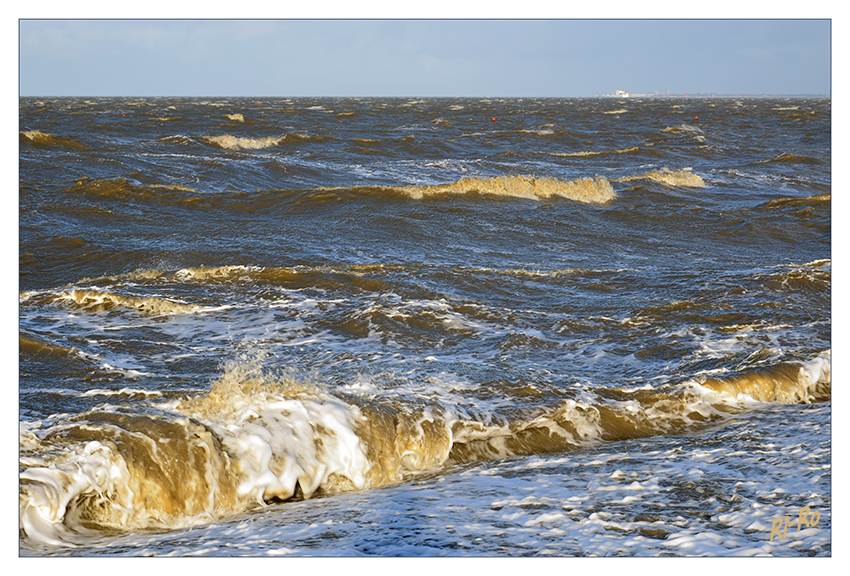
(462, 327)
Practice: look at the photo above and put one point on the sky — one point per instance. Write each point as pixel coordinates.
(551, 57)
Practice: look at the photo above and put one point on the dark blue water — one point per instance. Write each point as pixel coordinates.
(243, 321)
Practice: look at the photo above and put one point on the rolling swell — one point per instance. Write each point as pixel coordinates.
(596, 190)
(38, 138)
(258, 437)
(586, 190)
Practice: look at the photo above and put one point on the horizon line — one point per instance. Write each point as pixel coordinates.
(613, 96)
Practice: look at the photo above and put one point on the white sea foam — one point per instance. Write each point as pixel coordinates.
(640, 498)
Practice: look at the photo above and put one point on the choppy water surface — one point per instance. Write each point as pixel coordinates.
(425, 327)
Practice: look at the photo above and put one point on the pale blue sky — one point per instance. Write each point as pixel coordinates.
(422, 57)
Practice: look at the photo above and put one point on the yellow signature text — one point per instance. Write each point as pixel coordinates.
(807, 518)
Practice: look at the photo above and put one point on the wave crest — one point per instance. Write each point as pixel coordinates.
(674, 178)
(783, 384)
(95, 301)
(39, 138)
(787, 157)
(816, 200)
(587, 153)
(228, 142)
(596, 190)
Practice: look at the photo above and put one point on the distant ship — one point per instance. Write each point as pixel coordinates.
(618, 94)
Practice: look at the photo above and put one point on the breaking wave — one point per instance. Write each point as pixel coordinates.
(681, 129)
(97, 301)
(229, 142)
(587, 190)
(259, 436)
(674, 178)
(781, 384)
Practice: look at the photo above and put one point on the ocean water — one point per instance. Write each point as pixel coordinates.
(435, 327)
